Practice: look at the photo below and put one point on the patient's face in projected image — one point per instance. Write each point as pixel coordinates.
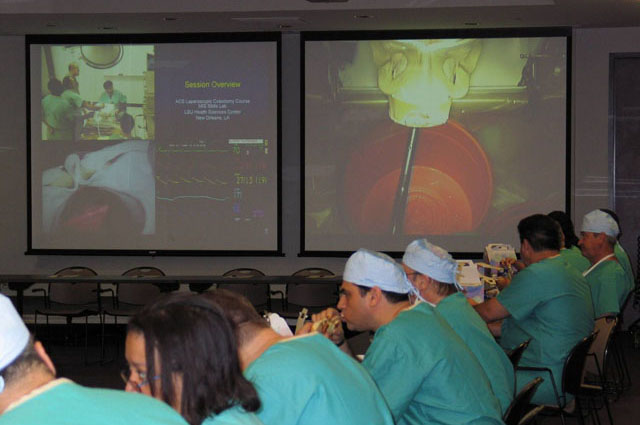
(421, 77)
(99, 214)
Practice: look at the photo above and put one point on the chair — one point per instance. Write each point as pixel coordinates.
(571, 376)
(520, 406)
(130, 297)
(597, 359)
(617, 348)
(71, 300)
(531, 415)
(314, 297)
(257, 293)
(515, 355)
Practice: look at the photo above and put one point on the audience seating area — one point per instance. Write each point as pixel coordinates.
(595, 371)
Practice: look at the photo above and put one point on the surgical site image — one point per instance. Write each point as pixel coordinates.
(456, 139)
(102, 196)
(99, 92)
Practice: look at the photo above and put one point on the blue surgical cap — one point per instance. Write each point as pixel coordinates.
(13, 335)
(598, 221)
(370, 268)
(431, 260)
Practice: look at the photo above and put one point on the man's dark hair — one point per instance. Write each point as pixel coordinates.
(563, 219)
(28, 361)
(614, 216)
(392, 297)
(239, 311)
(541, 231)
(55, 87)
(107, 84)
(67, 84)
(126, 123)
(192, 338)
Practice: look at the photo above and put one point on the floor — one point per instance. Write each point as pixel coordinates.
(104, 370)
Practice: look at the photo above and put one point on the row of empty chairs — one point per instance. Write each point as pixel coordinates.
(72, 300)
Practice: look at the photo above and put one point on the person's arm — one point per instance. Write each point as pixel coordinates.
(495, 328)
(492, 310)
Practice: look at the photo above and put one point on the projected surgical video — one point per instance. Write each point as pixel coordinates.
(167, 146)
(102, 92)
(444, 138)
(106, 195)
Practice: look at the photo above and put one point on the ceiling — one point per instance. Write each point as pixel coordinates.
(19, 17)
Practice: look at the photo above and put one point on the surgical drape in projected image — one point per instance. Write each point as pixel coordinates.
(168, 146)
(452, 139)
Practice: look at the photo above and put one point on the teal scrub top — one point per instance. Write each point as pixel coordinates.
(609, 287)
(74, 99)
(427, 374)
(623, 259)
(549, 303)
(470, 327)
(67, 403)
(117, 97)
(573, 256)
(59, 117)
(308, 380)
(233, 416)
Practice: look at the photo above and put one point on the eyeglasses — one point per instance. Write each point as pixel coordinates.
(125, 374)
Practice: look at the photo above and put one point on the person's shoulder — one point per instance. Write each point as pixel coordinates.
(615, 269)
(291, 351)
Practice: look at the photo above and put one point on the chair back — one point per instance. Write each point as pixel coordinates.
(516, 354)
(598, 352)
(312, 294)
(574, 364)
(531, 416)
(257, 294)
(74, 293)
(519, 407)
(139, 293)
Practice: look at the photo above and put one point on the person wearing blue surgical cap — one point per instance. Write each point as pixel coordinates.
(621, 254)
(606, 277)
(433, 275)
(425, 371)
(31, 395)
(547, 302)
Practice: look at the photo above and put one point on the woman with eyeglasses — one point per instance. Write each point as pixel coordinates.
(182, 350)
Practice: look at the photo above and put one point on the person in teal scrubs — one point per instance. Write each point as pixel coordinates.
(30, 394)
(570, 250)
(433, 276)
(609, 283)
(304, 379)
(182, 350)
(547, 302)
(57, 114)
(115, 97)
(426, 373)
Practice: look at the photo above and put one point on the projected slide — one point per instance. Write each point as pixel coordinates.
(154, 147)
(452, 139)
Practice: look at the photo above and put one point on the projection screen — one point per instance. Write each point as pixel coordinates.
(154, 144)
(454, 137)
